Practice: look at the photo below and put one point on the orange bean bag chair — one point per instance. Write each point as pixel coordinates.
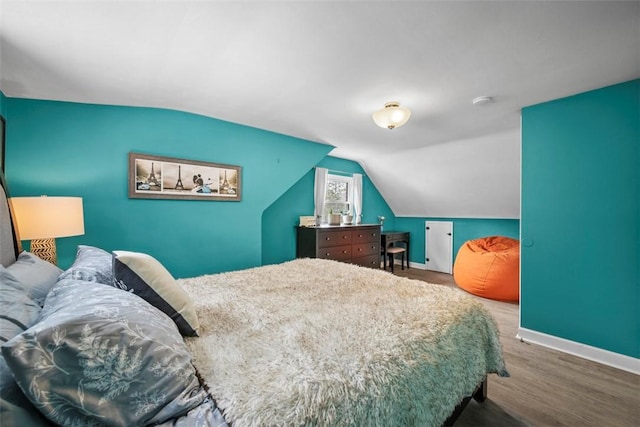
(489, 267)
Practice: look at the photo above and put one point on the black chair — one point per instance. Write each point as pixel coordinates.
(392, 251)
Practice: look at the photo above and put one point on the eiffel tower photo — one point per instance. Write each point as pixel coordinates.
(145, 180)
(179, 185)
(152, 180)
(224, 187)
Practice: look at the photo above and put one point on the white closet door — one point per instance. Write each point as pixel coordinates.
(439, 246)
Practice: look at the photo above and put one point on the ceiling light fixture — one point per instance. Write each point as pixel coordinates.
(482, 100)
(392, 115)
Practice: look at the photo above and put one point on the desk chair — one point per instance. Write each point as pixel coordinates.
(392, 251)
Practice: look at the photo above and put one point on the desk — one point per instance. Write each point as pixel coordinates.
(390, 237)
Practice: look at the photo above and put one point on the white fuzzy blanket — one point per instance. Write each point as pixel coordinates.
(316, 342)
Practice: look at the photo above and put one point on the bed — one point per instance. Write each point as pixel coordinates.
(116, 340)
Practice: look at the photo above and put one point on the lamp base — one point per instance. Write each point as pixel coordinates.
(45, 249)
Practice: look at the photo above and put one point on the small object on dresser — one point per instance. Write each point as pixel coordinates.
(307, 221)
(334, 219)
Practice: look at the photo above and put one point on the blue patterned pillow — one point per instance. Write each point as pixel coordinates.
(91, 264)
(102, 356)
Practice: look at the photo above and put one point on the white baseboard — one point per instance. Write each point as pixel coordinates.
(411, 264)
(420, 266)
(609, 358)
(417, 265)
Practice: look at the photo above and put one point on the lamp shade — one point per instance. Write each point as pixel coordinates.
(391, 116)
(48, 217)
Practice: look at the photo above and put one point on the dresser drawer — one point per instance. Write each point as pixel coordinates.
(361, 236)
(364, 249)
(334, 238)
(372, 261)
(338, 253)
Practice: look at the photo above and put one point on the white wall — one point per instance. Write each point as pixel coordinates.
(472, 178)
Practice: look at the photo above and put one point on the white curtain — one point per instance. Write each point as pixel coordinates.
(357, 197)
(319, 192)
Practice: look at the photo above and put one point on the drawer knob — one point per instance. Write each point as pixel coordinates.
(327, 238)
(328, 254)
(359, 235)
(344, 252)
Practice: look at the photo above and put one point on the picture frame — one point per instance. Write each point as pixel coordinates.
(157, 177)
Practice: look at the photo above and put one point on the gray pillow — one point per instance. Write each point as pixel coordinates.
(17, 411)
(91, 264)
(100, 356)
(17, 313)
(32, 274)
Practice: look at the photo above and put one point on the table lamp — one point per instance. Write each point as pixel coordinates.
(43, 219)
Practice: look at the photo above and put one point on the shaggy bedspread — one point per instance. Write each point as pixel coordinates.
(317, 342)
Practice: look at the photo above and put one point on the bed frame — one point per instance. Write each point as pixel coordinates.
(10, 245)
(479, 395)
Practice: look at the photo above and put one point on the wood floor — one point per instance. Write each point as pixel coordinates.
(546, 387)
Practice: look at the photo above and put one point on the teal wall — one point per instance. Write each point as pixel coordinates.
(580, 272)
(3, 101)
(463, 229)
(59, 148)
(279, 221)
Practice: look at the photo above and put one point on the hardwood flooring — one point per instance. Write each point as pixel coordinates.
(546, 387)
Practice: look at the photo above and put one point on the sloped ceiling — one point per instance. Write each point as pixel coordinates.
(318, 69)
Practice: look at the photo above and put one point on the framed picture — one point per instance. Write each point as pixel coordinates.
(2, 128)
(155, 177)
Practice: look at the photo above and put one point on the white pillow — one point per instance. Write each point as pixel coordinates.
(144, 276)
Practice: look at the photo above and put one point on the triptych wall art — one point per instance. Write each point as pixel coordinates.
(155, 177)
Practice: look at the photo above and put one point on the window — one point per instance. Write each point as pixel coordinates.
(339, 195)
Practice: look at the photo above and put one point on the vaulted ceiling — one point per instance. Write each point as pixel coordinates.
(318, 69)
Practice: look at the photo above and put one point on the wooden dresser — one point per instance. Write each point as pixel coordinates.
(356, 244)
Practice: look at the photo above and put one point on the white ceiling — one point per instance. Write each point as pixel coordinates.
(318, 69)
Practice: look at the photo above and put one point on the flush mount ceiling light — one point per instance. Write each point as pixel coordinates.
(482, 100)
(392, 115)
